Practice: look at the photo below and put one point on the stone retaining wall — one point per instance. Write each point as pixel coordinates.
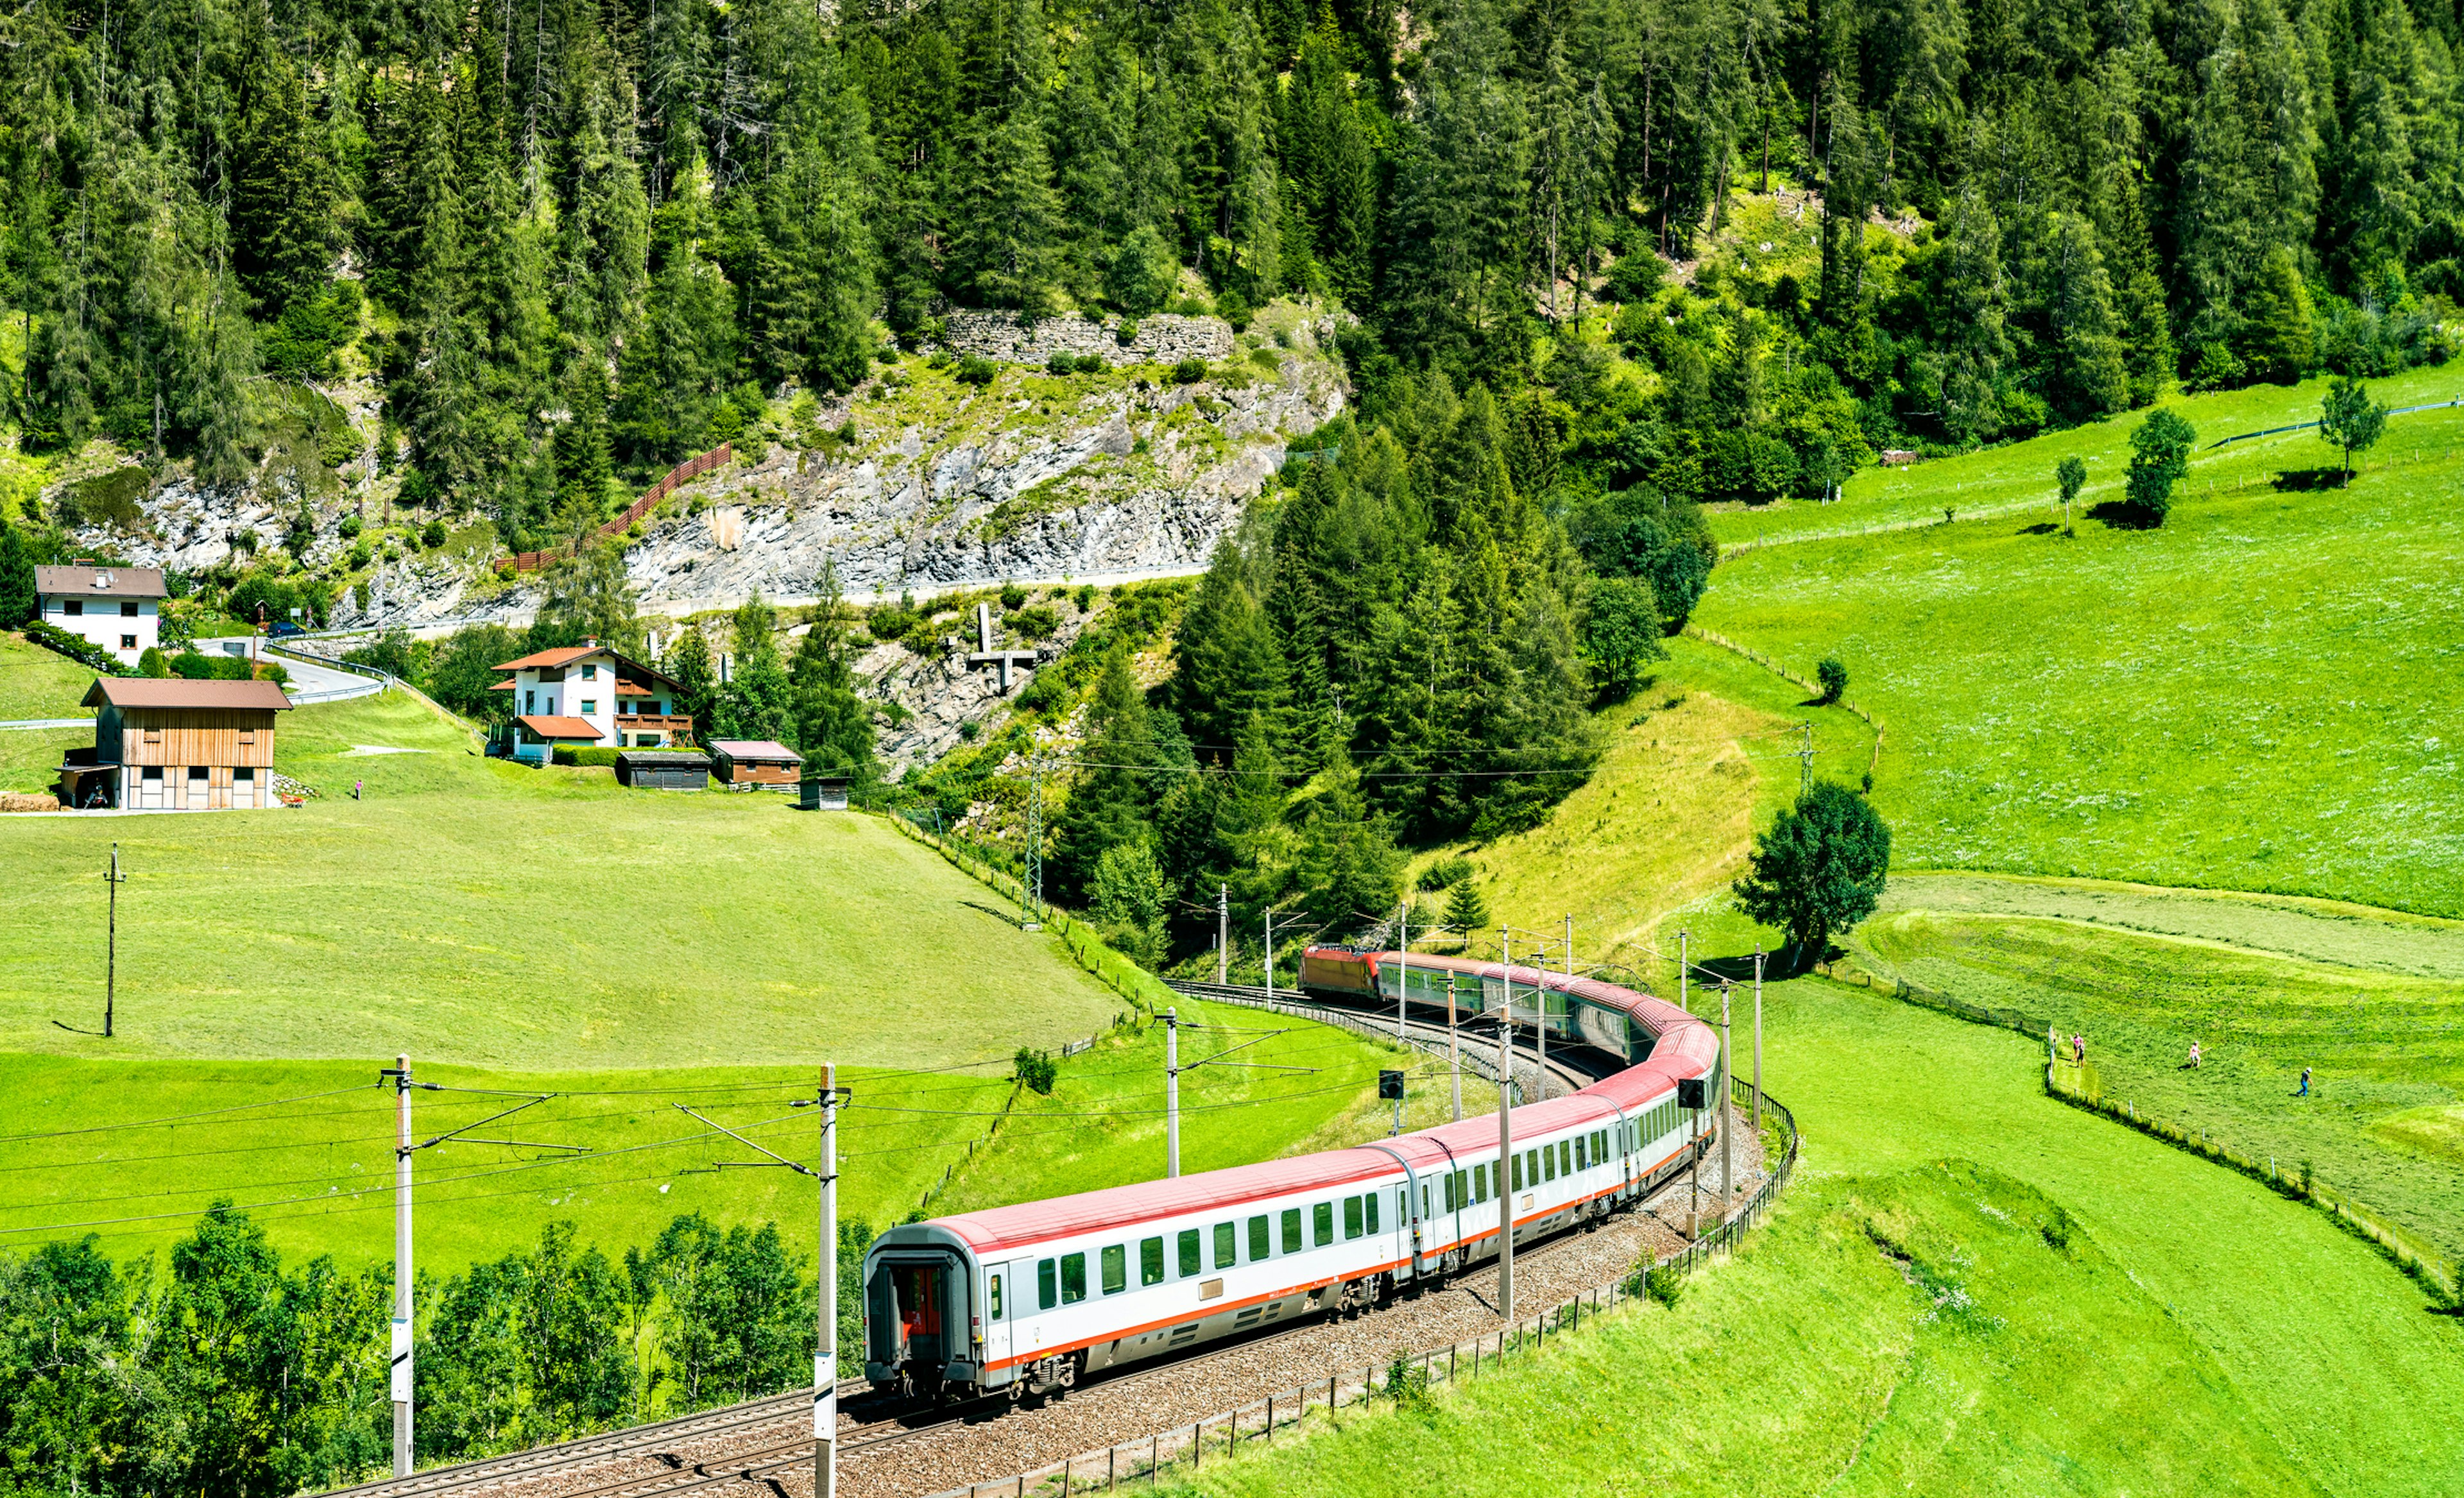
(1165, 339)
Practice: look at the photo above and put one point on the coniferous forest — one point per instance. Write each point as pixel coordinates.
(577, 241)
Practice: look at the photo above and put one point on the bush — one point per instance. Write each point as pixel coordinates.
(1012, 596)
(91, 657)
(351, 526)
(432, 535)
(1833, 677)
(152, 663)
(974, 369)
(1663, 1285)
(1061, 364)
(1127, 333)
(584, 757)
(1086, 596)
(1036, 623)
(1036, 1069)
(1093, 364)
(1189, 371)
(271, 671)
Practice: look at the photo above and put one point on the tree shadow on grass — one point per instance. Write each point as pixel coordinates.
(2040, 528)
(1005, 918)
(2305, 480)
(2121, 515)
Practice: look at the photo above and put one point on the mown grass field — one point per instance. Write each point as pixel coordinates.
(2264, 694)
(522, 933)
(1908, 1325)
(2019, 475)
(2383, 1124)
(472, 913)
(39, 683)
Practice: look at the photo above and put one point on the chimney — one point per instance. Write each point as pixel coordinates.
(589, 643)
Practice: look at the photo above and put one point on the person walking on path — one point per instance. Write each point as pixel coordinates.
(2305, 1083)
(2079, 1047)
(355, 794)
(2192, 1065)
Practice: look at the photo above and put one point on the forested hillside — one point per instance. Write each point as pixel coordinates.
(1602, 260)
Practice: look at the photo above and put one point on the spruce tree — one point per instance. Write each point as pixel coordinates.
(1109, 801)
(17, 596)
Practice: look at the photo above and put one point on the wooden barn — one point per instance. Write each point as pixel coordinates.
(662, 769)
(754, 761)
(174, 745)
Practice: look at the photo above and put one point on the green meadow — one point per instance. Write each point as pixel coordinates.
(2262, 695)
(597, 956)
(2019, 477)
(1971, 1290)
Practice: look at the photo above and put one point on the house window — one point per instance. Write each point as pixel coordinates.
(74, 607)
(530, 701)
(589, 705)
(590, 674)
(128, 642)
(128, 610)
(647, 741)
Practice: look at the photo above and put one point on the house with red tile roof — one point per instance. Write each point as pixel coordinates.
(587, 695)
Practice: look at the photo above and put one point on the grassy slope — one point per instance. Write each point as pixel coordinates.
(2264, 694)
(1694, 762)
(542, 930)
(478, 913)
(39, 683)
(2201, 1334)
(2020, 474)
(2389, 1048)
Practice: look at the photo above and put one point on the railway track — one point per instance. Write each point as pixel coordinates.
(1576, 1068)
(579, 1468)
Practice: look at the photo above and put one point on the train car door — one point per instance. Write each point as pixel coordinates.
(1001, 1304)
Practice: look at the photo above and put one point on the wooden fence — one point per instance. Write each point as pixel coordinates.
(678, 476)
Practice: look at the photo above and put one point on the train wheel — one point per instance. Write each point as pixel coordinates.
(1017, 1392)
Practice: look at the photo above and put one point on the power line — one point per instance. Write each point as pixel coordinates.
(176, 1119)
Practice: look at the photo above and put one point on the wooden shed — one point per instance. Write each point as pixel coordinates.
(175, 745)
(754, 761)
(663, 769)
(824, 792)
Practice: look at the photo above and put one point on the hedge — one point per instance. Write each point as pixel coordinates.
(86, 653)
(585, 759)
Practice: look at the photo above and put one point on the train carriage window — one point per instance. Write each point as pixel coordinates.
(1547, 1163)
(1151, 1261)
(1116, 1268)
(1226, 1241)
(1073, 1278)
(1449, 1197)
(1369, 1203)
(1191, 1262)
(1479, 1189)
(1322, 1223)
(1291, 1229)
(1261, 1242)
(1581, 1144)
(1565, 1157)
(1518, 1173)
(1048, 1294)
(1350, 1218)
(996, 1297)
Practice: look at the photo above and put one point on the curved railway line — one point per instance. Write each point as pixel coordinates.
(763, 1446)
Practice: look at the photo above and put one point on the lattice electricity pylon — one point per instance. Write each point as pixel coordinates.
(1031, 878)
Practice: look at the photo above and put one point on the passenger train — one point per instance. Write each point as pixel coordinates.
(1028, 1299)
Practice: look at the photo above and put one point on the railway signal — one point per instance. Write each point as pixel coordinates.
(1390, 1087)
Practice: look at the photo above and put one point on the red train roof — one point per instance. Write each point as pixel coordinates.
(1685, 1047)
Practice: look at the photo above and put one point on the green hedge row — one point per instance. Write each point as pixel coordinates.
(585, 758)
(85, 653)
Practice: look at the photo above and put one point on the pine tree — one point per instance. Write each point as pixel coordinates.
(1109, 802)
(2276, 343)
(283, 217)
(584, 467)
(833, 725)
(689, 662)
(17, 596)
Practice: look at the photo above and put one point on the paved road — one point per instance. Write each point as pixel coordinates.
(46, 722)
(310, 682)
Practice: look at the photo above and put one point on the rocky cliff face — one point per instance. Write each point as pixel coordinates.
(919, 480)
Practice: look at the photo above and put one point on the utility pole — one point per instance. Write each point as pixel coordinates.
(1403, 978)
(1222, 930)
(1172, 1086)
(1758, 1040)
(1684, 971)
(1031, 882)
(1271, 952)
(1720, 1119)
(1454, 1054)
(401, 1306)
(1805, 761)
(825, 1346)
(1505, 1171)
(111, 944)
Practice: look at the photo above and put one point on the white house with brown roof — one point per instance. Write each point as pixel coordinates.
(588, 696)
(116, 607)
(175, 745)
